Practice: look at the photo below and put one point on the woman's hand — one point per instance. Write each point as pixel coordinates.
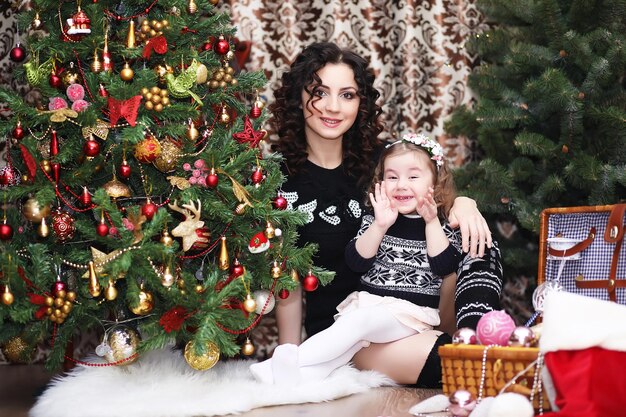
(475, 232)
(385, 214)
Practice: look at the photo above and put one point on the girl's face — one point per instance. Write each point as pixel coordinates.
(407, 176)
(334, 105)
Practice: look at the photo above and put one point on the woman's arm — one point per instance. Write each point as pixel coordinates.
(289, 318)
(475, 232)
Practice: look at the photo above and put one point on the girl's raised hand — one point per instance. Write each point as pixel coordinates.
(426, 206)
(385, 213)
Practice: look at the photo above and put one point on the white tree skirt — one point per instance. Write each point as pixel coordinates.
(161, 384)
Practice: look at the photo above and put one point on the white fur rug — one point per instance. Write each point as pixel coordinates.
(161, 384)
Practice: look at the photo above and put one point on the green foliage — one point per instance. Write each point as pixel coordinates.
(132, 257)
(550, 114)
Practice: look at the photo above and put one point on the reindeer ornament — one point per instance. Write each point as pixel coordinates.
(195, 236)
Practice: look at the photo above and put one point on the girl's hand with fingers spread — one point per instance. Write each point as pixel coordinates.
(385, 213)
(426, 206)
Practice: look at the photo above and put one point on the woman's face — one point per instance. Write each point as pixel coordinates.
(334, 106)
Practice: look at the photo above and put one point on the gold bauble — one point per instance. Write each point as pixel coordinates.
(192, 7)
(116, 189)
(270, 232)
(294, 276)
(145, 304)
(225, 117)
(202, 74)
(167, 161)
(16, 350)
(70, 296)
(192, 132)
(249, 304)
(123, 342)
(204, 361)
(96, 64)
(43, 230)
(214, 2)
(248, 348)
(7, 296)
(110, 292)
(167, 278)
(45, 165)
(33, 211)
(71, 76)
(127, 73)
(166, 239)
(276, 270)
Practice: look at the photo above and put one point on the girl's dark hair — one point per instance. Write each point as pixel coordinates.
(360, 142)
(445, 190)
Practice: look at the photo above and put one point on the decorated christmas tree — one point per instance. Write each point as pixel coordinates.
(136, 199)
(550, 117)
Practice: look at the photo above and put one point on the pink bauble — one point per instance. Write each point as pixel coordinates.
(495, 328)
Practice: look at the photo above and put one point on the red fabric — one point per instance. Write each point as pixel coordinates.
(588, 383)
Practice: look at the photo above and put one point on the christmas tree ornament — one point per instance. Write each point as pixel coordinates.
(43, 230)
(6, 231)
(494, 328)
(91, 148)
(85, 197)
(168, 159)
(94, 285)
(465, 336)
(63, 225)
(310, 282)
(102, 92)
(192, 132)
(18, 53)
(522, 336)
(221, 46)
(270, 232)
(33, 211)
(166, 239)
(283, 294)
(79, 23)
(167, 278)
(191, 229)
(54, 80)
(192, 7)
(18, 133)
(149, 209)
(249, 135)
(123, 342)
(7, 296)
(9, 175)
(462, 402)
(96, 64)
(116, 189)
(212, 179)
(223, 262)
(71, 76)
(257, 176)
(265, 301)
(248, 348)
(201, 361)
(127, 74)
(237, 269)
(110, 292)
(103, 228)
(35, 73)
(257, 107)
(36, 23)
(161, 70)
(259, 243)
(124, 170)
(276, 270)
(130, 37)
(280, 203)
(202, 74)
(224, 116)
(145, 304)
(107, 59)
(295, 277)
(148, 149)
(249, 304)
(16, 350)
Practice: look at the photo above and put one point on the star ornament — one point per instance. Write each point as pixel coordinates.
(249, 135)
(101, 259)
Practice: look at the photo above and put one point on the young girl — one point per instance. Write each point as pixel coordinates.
(405, 252)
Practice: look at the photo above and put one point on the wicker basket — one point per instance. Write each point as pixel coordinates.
(462, 369)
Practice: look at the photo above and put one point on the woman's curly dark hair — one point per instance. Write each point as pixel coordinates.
(360, 142)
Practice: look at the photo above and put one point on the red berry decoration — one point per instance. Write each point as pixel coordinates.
(149, 209)
(222, 47)
(212, 179)
(124, 170)
(283, 294)
(310, 282)
(280, 203)
(58, 286)
(18, 132)
(18, 53)
(55, 81)
(6, 231)
(91, 148)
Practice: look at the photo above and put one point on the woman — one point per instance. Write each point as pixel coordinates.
(328, 122)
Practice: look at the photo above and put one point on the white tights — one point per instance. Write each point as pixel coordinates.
(326, 351)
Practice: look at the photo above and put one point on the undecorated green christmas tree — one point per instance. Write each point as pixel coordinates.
(551, 114)
(136, 199)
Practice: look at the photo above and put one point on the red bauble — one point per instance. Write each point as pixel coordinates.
(102, 92)
(237, 269)
(148, 150)
(6, 231)
(257, 176)
(58, 286)
(102, 229)
(63, 225)
(55, 81)
(283, 294)
(207, 46)
(310, 282)
(255, 112)
(149, 209)
(222, 47)
(91, 148)
(212, 180)
(18, 132)
(124, 170)
(85, 197)
(18, 53)
(280, 203)
(9, 176)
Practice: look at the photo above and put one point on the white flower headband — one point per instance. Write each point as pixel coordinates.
(434, 149)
